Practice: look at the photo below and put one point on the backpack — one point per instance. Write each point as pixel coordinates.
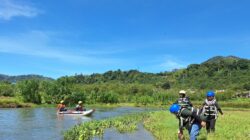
(187, 121)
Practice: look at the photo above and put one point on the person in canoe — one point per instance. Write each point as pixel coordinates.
(61, 107)
(79, 106)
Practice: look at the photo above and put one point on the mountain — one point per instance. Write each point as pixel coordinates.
(218, 59)
(217, 72)
(14, 79)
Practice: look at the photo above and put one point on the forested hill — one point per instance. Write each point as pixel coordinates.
(218, 72)
(131, 76)
(230, 74)
(13, 79)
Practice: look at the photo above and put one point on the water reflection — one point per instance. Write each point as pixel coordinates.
(44, 123)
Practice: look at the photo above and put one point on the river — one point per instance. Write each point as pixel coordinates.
(45, 124)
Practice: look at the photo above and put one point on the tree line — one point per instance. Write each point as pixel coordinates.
(228, 73)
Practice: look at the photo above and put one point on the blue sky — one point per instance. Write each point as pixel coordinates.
(63, 37)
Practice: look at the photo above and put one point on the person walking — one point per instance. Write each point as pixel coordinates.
(183, 99)
(184, 102)
(210, 108)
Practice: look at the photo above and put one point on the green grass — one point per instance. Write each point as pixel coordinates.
(12, 102)
(234, 125)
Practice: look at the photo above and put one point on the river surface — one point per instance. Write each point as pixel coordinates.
(45, 124)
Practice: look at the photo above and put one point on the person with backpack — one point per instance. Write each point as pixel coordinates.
(184, 102)
(210, 108)
(191, 119)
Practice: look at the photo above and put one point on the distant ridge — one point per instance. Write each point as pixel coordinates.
(218, 59)
(17, 78)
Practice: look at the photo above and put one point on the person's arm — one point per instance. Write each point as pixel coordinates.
(189, 102)
(58, 108)
(201, 108)
(218, 108)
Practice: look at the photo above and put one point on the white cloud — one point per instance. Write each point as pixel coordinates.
(10, 9)
(38, 44)
(171, 63)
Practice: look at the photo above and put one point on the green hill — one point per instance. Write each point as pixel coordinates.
(14, 79)
(218, 72)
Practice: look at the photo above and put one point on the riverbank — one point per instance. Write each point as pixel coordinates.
(12, 102)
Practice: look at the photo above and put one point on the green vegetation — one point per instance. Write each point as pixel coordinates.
(233, 125)
(87, 130)
(230, 74)
(11, 102)
(14, 79)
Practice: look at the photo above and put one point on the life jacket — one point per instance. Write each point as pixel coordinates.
(61, 106)
(210, 110)
(79, 108)
(183, 102)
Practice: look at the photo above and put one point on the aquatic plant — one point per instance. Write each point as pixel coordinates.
(87, 130)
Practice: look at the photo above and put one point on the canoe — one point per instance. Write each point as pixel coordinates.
(84, 113)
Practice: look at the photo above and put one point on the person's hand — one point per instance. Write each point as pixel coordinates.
(180, 135)
(203, 124)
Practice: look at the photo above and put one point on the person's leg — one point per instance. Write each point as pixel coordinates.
(212, 125)
(208, 126)
(194, 131)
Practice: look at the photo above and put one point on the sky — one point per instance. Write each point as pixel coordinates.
(67, 37)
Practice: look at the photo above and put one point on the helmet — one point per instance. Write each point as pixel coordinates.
(79, 102)
(62, 101)
(210, 94)
(174, 108)
(182, 92)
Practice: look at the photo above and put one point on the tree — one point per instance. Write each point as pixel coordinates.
(29, 89)
(6, 89)
(166, 85)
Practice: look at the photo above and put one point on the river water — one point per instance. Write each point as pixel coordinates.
(45, 124)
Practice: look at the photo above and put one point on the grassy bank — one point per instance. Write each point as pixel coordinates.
(11, 102)
(233, 125)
